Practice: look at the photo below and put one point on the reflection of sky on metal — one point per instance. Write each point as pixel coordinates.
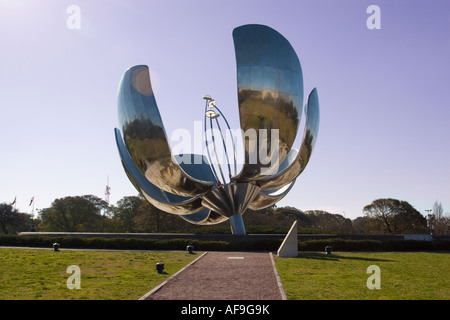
(383, 93)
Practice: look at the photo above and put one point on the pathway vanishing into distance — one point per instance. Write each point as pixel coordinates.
(223, 276)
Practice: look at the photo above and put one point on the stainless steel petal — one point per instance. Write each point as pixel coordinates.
(162, 200)
(204, 217)
(196, 166)
(270, 94)
(288, 160)
(230, 199)
(297, 166)
(145, 136)
(267, 198)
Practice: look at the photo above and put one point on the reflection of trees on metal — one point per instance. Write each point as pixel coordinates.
(270, 96)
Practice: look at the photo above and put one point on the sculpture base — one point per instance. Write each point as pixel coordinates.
(237, 224)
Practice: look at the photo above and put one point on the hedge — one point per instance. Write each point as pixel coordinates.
(337, 244)
(136, 243)
(374, 245)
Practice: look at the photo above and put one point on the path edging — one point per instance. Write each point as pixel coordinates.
(277, 276)
(157, 288)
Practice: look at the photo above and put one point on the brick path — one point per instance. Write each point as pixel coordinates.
(223, 276)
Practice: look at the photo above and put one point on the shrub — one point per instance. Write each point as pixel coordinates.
(238, 244)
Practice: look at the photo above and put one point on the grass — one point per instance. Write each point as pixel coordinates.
(34, 274)
(339, 276)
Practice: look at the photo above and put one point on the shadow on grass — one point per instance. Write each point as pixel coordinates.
(335, 257)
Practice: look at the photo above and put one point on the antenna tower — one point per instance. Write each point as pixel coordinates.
(107, 191)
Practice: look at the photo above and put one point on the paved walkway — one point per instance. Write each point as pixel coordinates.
(223, 276)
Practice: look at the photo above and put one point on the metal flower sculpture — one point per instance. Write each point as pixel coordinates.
(270, 98)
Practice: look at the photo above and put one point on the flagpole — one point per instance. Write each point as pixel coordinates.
(32, 203)
(15, 203)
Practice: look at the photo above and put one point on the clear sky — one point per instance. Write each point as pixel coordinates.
(384, 93)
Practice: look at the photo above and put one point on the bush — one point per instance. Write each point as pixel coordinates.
(237, 244)
(374, 245)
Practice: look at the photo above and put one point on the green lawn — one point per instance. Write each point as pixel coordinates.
(29, 274)
(406, 275)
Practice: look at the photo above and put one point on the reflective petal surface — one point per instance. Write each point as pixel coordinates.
(267, 198)
(270, 95)
(160, 199)
(230, 199)
(204, 217)
(270, 98)
(297, 166)
(145, 137)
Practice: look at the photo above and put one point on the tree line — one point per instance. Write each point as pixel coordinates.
(89, 213)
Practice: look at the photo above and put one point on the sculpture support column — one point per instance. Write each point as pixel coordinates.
(237, 224)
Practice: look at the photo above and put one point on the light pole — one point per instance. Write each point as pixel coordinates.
(430, 220)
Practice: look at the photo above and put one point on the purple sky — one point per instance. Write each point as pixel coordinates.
(384, 93)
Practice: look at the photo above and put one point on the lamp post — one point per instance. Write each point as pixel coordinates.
(430, 220)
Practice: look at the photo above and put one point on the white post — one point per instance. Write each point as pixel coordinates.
(289, 247)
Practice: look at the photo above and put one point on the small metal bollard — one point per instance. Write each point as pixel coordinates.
(190, 249)
(56, 246)
(160, 267)
(328, 249)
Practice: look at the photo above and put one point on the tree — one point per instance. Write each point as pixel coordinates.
(329, 222)
(439, 222)
(136, 214)
(151, 219)
(101, 204)
(287, 215)
(12, 221)
(263, 217)
(409, 220)
(72, 214)
(383, 210)
(443, 225)
(396, 216)
(125, 212)
(367, 225)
